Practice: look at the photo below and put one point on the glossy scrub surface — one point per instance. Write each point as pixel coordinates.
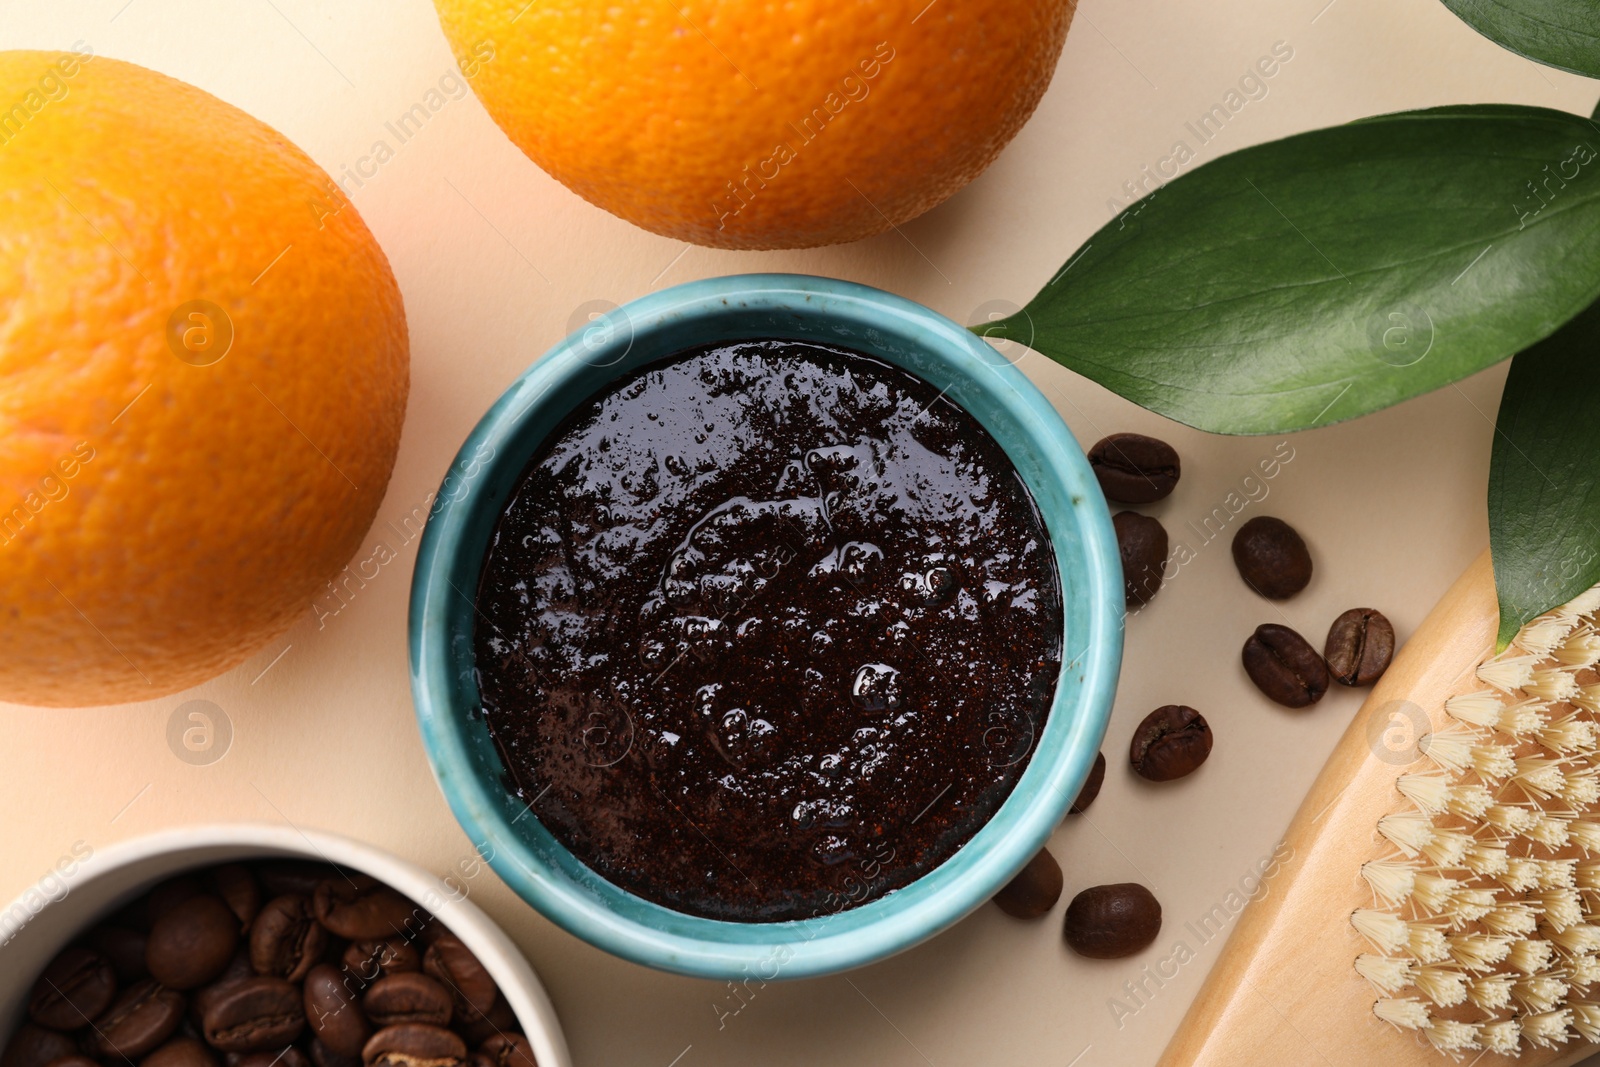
(767, 630)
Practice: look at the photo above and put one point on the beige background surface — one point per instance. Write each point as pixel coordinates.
(495, 258)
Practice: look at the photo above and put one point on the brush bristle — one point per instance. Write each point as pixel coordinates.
(1584, 970)
(1508, 673)
(1586, 1019)
(1404, 1012)
(1445, 986)
(1392, 882)
(1548, 1030)
(1388, 974)
(1490, 993)
(1501, 1036)
(1485, 927)
(1448, 1035)
(1515, 919)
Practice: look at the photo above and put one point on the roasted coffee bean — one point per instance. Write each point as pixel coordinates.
(1271, 557)
(1284, 666)
(513, 1050)
(1171, 742)
(238, 969)
(286, 1057)
(188, 933)
(1142, 543)
(169, 894)
(1035, 889)
(192, 943)
(371, 960)
(1107, 922)
(144, 1016)
(239, 889)
(332, 1011)
(1091, 787)
(477, 1026)
(323, 1056)
(282, 878)
(286, 940)
(255, 1014)
(35, 1046)
(79, 984)
(454, 965)
(1133, 468)
(407, 998)
(1359, 647)
(361, 908)
(181, 1052)
(414, 1045)
(134, 915)
(123, 947)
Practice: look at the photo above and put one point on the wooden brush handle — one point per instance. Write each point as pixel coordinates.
(1285, 991)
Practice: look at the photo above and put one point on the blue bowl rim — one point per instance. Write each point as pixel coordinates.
(893, 922)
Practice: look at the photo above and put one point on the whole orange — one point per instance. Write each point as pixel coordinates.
(203, 372)
(756, 123)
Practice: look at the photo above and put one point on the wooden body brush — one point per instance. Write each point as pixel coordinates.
(1442, 899)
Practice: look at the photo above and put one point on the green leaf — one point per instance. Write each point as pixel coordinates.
(1558, 33)
(1323, 276)
(1544, 475)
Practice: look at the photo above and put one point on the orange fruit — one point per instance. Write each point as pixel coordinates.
(754, 124)
(203, 371)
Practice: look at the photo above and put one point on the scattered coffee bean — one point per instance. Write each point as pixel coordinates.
(1284, 666)
(1359, 647)
(80, 1060)
(239, 889)
(79, 984)
(508, 1050)
(1171, 742)
(1107, 922)
(414, 1045)
(377, 959)
(192, 943)
(255, 1014)
(1035, 889)
(286, 940)
(1271, 557)
(181, 1052)
(361, 908)
(453, 964)
(407, 998)
(35, 1046)
(1142, 543)
(141, 1018)
(332, 1011)
(1133, 468)
(1091, 788)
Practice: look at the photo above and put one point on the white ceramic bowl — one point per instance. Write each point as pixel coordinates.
(108, 878)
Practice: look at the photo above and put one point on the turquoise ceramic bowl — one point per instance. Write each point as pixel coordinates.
(971, 373)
